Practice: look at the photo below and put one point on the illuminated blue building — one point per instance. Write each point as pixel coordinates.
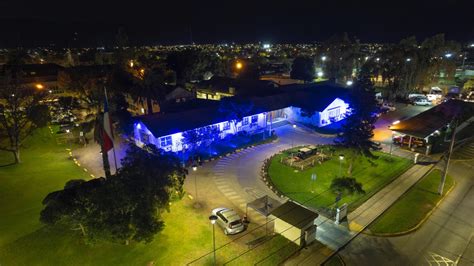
(312, 104)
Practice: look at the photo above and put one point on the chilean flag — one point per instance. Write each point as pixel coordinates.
(107, 133)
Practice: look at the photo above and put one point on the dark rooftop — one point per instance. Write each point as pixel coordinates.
(199, 113)
(294, 214)
(424, 124)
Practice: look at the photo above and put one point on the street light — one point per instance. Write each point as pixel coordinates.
(341, 158)
(349, 82)
(39, 86)
(448, 55)
(194, 167)
(239, 65)
(408, 59)
(320, 74)
(70, 145)
(323, 58)
(391, 140)
(377, 59)
(292, 140)
(213, 220)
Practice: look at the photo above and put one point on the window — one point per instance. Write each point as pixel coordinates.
(226, 126)
(245, 121)
(166, 141)
(145, 138)
(254, 119)
(334, 113)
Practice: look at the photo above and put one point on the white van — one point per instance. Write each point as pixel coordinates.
(435, 94)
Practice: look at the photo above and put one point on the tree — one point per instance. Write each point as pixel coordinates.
(234, 109)
(125, 207)
(200, 137)
(188, 65)
(21, 112)
(302, 69)
(341, 55)
(152, 87)
(357, 131)
(346, 185)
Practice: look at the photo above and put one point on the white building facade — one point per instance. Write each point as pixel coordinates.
(334, 112)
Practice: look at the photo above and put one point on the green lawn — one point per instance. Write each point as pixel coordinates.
(298, 186)
(46, 168)
(413, 207)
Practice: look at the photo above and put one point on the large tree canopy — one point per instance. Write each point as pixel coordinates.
(358, 128)
(21, 112)
(127, 206)
(303, 69)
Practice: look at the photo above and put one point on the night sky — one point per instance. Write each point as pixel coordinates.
(29, 23)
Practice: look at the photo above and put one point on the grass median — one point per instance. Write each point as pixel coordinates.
(413, 206)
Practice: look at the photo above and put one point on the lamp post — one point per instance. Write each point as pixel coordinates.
(391, 140)
(213, 220)
(292, 139)
(194, 167)
(341, 157)
(69, 139)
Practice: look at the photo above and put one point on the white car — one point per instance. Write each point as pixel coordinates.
(421, 101)
(388, 106)
(229, 220)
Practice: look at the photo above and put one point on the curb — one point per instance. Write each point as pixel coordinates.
(419, 224)
(363, 229)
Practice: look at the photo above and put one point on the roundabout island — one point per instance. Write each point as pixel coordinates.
(317, 176)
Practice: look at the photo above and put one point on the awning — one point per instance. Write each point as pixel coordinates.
(264, 205)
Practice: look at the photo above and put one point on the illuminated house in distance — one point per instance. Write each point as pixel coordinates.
(326, 101)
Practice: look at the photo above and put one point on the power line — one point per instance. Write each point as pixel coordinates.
(258, 227)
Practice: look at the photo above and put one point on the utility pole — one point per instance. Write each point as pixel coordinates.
(448, 158)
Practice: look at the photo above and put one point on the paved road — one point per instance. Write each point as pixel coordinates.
(238, 175)
(445, 239)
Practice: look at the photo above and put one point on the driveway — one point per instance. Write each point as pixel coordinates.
(237, 176)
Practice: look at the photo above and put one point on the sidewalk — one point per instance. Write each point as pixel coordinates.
(336, 236)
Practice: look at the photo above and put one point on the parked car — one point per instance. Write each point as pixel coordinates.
(229, 220)
(421, 101)
(388, 107)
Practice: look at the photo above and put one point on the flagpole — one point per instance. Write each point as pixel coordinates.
(113, 145)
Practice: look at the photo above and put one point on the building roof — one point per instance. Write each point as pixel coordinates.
(424, 124)
(294, 214)
(199, 113)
